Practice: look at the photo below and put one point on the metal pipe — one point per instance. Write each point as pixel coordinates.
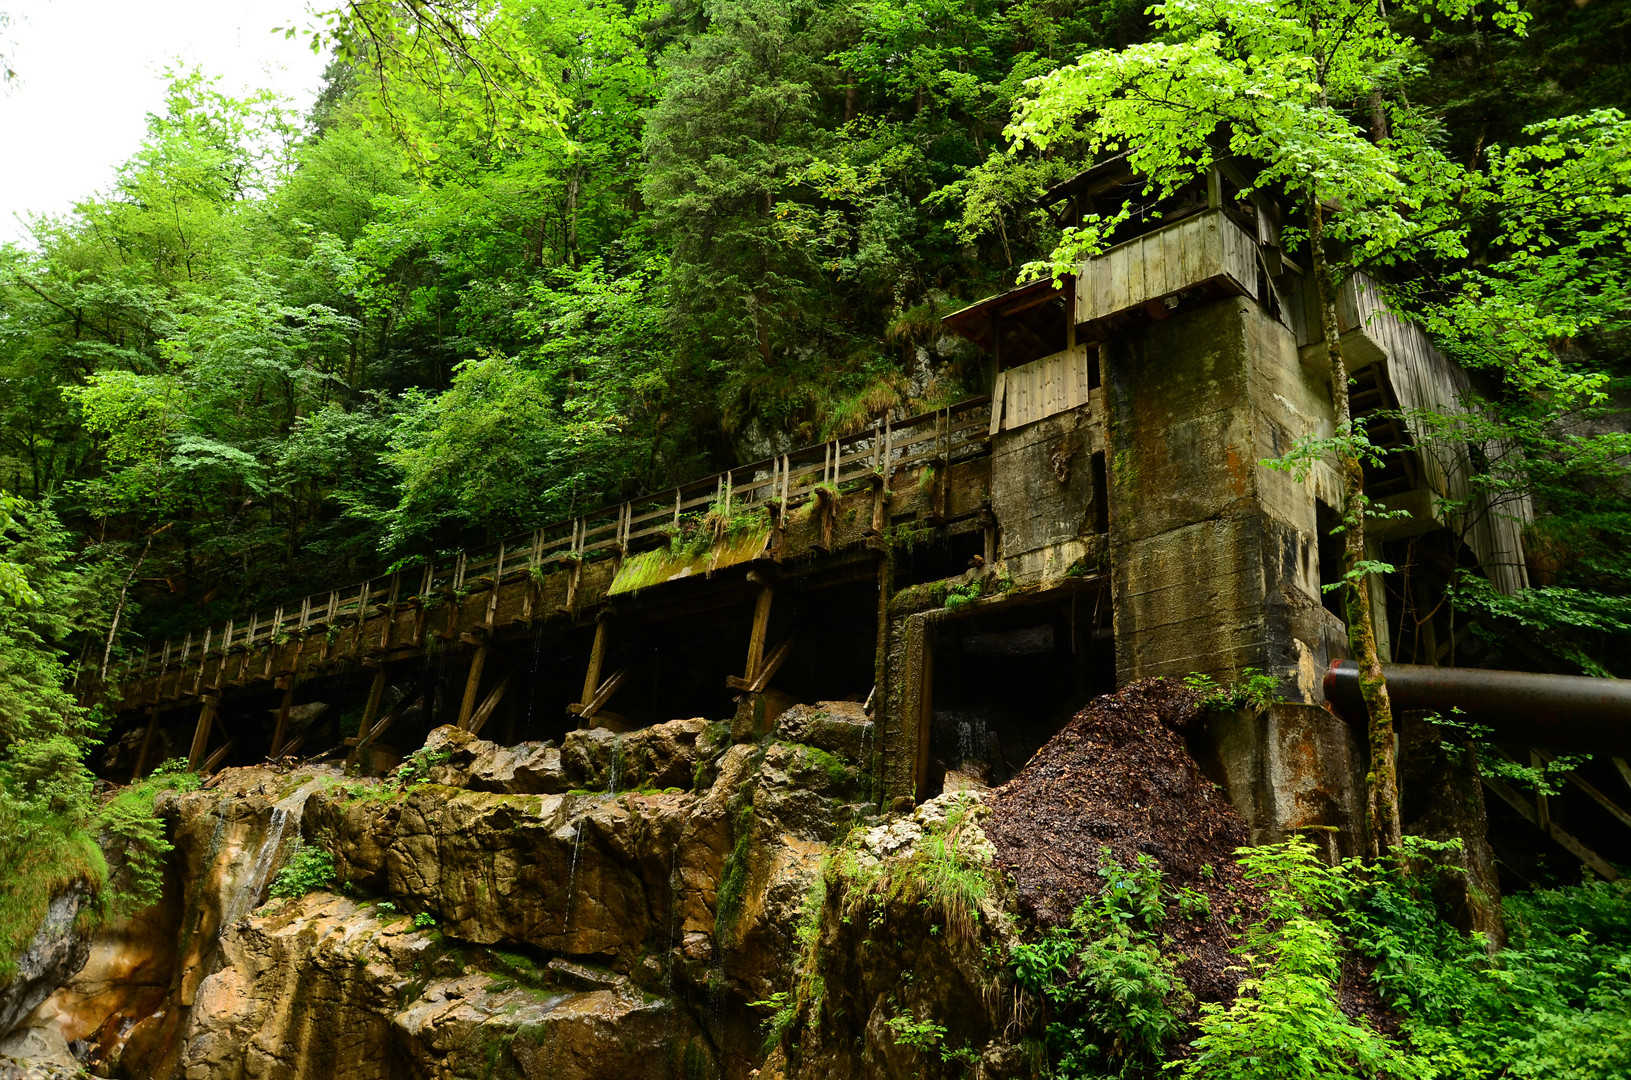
(1552, 712)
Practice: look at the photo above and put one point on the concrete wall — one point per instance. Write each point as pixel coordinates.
(1214, 557)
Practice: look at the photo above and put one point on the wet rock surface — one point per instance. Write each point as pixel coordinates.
(625, 905)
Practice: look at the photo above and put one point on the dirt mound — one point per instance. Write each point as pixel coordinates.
(1119, 776)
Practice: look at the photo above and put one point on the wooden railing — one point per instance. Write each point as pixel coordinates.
(788, 480)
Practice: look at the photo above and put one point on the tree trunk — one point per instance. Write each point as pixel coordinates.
(1382, 780)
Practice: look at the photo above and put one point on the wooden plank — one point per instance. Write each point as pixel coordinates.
(497, 695)
(1624, 770)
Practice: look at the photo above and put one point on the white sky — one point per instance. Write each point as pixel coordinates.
(90, 74)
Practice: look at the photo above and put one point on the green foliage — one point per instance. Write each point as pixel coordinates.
(424, 921)
(1286, 1023)
(1111, 998)
(308, 869)
(415, 768)
(1552, 1003)
(1254, 690)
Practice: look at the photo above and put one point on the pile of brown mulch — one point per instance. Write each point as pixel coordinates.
(1118, 775)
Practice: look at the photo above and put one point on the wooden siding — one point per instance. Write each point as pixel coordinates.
(1041, 388)
(1205, 247)
(1425, 380)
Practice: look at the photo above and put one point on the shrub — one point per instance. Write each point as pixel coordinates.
(308, 869)
(1111, 998)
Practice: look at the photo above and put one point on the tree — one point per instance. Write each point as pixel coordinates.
(1299, 87)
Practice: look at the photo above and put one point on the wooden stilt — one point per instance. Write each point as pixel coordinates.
(597, 657)
(147, 745)
(603, 693)
(472, 685)
(761, 625)
(281, 731)
(766, 671)
(376, 691)
(479, 717)
(201, 733)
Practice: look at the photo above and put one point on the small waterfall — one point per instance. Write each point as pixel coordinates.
(252, 891)
(674, 885)
(532, 683)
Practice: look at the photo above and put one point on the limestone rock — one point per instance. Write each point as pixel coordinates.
(37, 1053)
(526, 768)
(660, 756)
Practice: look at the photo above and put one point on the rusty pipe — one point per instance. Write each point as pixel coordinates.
(1551, 712)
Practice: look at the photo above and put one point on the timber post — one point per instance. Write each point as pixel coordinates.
(281, 731)
(147, 744)
(201, 733)
(597, 658)
(472, 684)
(376, 692)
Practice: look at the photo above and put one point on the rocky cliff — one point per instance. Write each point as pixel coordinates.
(667, 903)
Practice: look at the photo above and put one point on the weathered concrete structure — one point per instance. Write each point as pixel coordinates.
(975, 574)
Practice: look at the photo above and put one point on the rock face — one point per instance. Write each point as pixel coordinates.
(602, 909)
(56, 953)
(664, 904)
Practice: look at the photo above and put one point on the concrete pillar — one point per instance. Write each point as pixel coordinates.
(1214, 557)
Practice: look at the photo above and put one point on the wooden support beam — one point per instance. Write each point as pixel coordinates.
(1590, 789)
(408, 701)
(201, 732)
(479, 718)
(755, 683)
(472, 685)
(1624, 769)
(213, 762)
(601, 696)
(281, 731)
(597, 659)
(376, 691)
(1532, 814)
(147, 744)
(761, 625)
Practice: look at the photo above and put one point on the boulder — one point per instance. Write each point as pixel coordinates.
(462, 760)
(839, 727)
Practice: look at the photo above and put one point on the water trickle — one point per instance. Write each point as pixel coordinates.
(674, 884)
(532, 682)
(572, 878)
(617, 762)
(252, 891)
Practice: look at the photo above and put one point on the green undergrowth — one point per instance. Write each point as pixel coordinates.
(1103, 997)
(949, 871)
(1111, 997)
(49, 847)
(308, 869)
(1253, 689)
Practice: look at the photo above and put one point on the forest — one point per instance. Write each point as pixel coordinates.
(522, 258)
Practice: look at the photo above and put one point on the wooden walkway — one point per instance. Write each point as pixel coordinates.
(564, 568)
